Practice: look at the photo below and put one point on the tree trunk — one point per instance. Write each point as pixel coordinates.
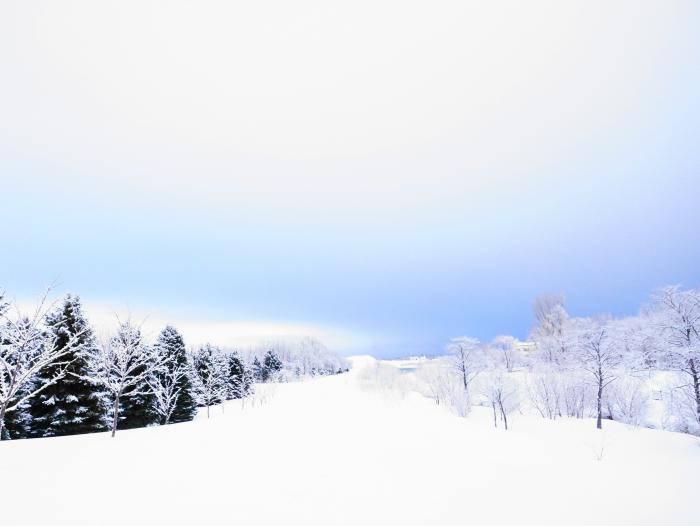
(503, 413)
(207, 411)
(495, 422)
(599, 421)
(115, 414)
(3, 407)
(696, 386)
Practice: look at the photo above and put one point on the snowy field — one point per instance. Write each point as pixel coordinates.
(338, 450)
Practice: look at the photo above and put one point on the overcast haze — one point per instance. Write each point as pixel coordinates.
(384, 174)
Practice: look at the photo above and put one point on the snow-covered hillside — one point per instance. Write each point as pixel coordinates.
(338, 450)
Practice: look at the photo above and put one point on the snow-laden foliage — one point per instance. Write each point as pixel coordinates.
(56, 379)
(28, 346)
(285, 360)
(240, 378)
(74, 404)
(171, 383)
(501, 391)
(124, 366)
(676, 317)
(576, 367)
(467, 360)
(210, 374)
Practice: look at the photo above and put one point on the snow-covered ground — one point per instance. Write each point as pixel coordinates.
(339, 450)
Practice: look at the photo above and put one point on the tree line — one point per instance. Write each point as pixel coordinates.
(57, 379)
(600, 366)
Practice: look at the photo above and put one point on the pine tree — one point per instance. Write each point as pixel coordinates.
(16, 423)
(73, 405)
(139, 409)
(271, 366)
(240, 378)
(171, 347)
(258, 372)
(210, 370)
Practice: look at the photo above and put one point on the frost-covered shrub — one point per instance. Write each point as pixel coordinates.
(432, 380)
(680, 407)
(502, 392)
(627, 400)
(439, 381)
(457, 397)
(576, 396)
(544, 393)
(555, 393)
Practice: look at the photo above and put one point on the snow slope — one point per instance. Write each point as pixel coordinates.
(339, 450)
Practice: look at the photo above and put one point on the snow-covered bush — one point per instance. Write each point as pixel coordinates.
(501, 392)
(432, 380)
(679, 405)
(627, 400)
(544, 391)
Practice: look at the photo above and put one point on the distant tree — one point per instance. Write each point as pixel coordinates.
(26, 349)
(272, 365)
(502, 393)
(240, 378)
(171, 384)
(503, 351)
(210, 368)
(551, 329)
(75, 404)
(547, 309)
(258, 373)
(467, 359)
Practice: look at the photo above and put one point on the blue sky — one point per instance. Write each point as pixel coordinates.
(386, 174)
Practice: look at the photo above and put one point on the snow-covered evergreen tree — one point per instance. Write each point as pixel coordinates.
(26, 349)
(140, 409)
(171, 384)
(257, 370)
(74, 404)
(240, 378)
(210, 368)
(17, 422)
(272, 365)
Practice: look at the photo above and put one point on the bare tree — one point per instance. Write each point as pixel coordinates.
(552, 324)
(433, 379)
(27, 347)
(166, 387)
(503, 350)
(502, 393)
(124, 366)
(467, 360)
(598, 354)
(210, 371)
(677, 316)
